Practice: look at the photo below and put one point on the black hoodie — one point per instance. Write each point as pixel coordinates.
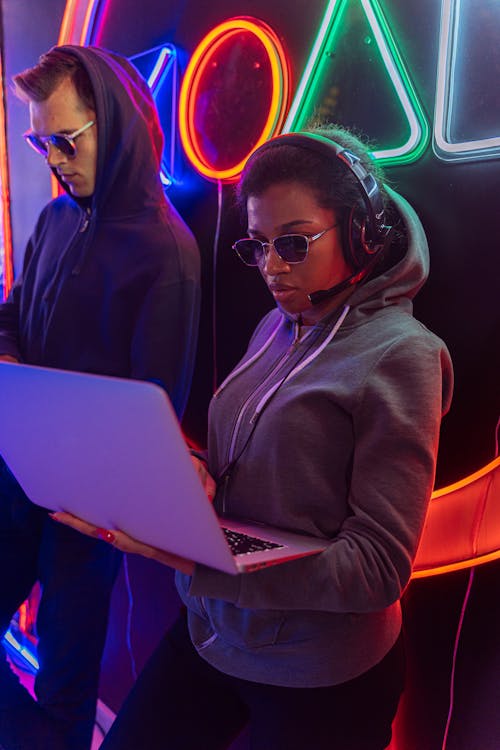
(110, 284)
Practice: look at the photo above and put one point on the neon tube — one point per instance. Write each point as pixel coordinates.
(445, 85)
(78, 21)
(462, 527)
(25, 652)
(300, 109)
(191, 83)
(419, 130)
(8, 265)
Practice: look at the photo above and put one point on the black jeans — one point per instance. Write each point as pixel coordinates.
(76, 574)
(182, 703)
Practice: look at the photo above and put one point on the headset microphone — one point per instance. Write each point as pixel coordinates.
(316, 297)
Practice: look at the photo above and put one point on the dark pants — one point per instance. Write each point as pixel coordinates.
(76, 574)
(182, 703)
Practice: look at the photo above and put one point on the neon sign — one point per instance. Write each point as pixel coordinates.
(463, 39)
(245, 100)
(79, 21)
(159, 68)
(323, 59)
(6, 261)
(471, 508)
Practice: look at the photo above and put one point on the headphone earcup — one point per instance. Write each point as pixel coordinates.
(356, 252)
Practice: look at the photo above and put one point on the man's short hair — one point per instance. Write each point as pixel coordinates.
(38, 83)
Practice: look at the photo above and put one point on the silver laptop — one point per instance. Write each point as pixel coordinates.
(111, 452)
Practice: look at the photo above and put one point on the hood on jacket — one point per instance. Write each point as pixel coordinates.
(130, 139)
(402, 273)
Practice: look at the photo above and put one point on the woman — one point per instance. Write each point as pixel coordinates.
(329, 426)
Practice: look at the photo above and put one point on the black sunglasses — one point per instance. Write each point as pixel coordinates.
(291, 248)
(65, 143)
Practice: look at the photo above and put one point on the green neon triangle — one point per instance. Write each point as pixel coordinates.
(356, 33)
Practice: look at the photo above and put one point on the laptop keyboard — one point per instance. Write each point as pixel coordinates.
(242, 544)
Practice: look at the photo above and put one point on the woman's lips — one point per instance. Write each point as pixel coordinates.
(281, 292)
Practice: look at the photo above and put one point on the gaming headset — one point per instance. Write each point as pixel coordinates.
(364, 233)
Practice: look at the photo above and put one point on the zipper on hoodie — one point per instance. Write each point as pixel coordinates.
(272, 390)
(300, 366)
(224, 476)
(85, 221)
(291, 349)
(269, 393)
(83, 228)
(245, 365)
(84, 224)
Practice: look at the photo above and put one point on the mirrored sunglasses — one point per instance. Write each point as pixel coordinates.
(291, 248)
(64, 142)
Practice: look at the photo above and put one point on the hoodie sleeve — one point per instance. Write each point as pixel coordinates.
(368, 564)
(165, 336)
(9, 314)
(9, 324)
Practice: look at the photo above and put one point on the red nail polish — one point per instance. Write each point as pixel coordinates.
(105, 535)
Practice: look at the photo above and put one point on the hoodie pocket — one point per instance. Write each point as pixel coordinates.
(244, 628)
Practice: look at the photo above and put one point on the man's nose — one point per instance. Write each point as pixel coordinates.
(54, 157)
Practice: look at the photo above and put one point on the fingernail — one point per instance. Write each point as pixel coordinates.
(105, 535)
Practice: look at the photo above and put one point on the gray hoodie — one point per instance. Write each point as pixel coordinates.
(336, 435)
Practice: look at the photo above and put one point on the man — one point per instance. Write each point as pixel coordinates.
(110, 285)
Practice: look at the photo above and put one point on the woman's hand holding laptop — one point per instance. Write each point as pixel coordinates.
(125, 543)
(206, 479)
